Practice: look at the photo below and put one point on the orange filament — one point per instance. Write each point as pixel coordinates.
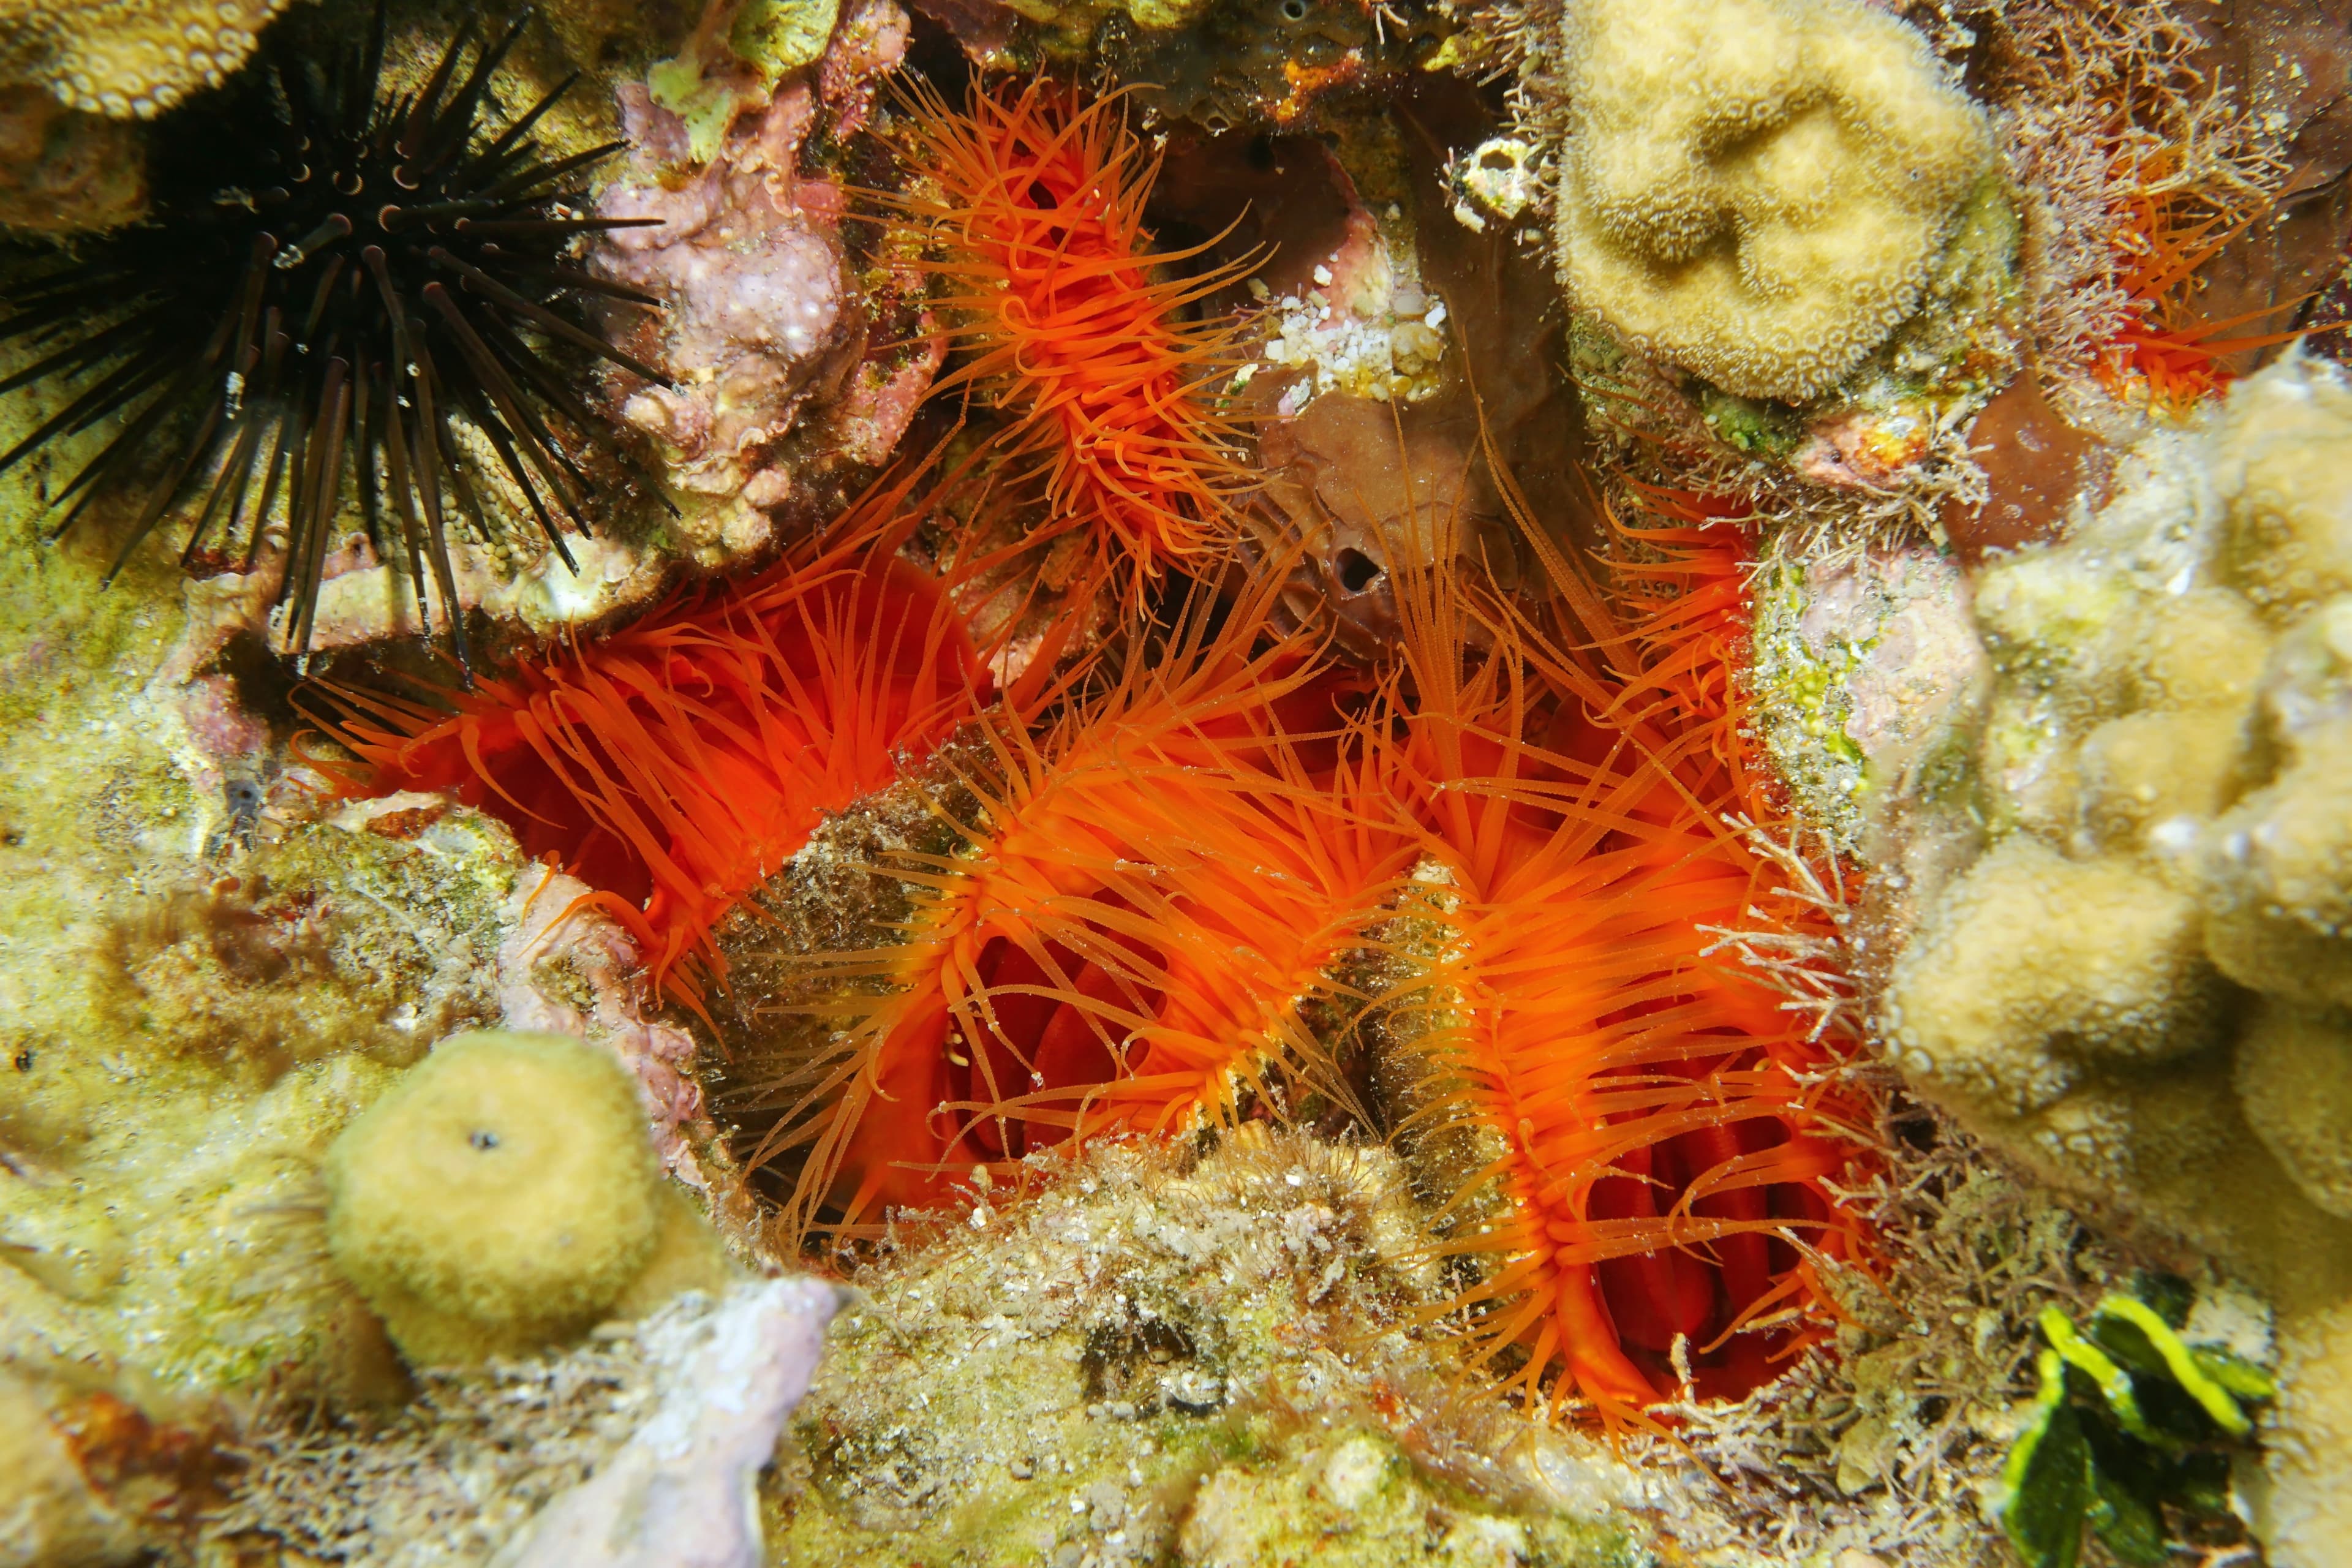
(1034, 216)
(1683, 582)
(676, 764)
(2166, 345)
(1150, 898)
(1662, 1128)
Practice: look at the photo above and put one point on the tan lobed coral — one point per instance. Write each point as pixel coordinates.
(2308, 1502)
(128, 59)
(2141, 987)
(2159, 769)
(1757, 189)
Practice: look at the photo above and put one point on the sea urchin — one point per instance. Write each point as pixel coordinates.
(336, 279)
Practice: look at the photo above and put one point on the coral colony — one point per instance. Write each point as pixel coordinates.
(889, 782)
(1769, 270)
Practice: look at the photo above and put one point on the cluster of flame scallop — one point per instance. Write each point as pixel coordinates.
(1209, 861)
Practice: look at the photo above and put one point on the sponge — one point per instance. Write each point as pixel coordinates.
(501, 1196)
(1756, 190)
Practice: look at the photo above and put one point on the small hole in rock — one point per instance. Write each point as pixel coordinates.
(1294, 10)
(483, 1139)
(1355, 570)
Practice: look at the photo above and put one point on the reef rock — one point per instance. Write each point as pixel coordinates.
(638, 1447)
(62, 170)
(681, 1493)
(1152, 1359)
(50, 1516)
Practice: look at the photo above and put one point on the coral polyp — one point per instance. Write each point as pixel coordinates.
(678, 762)
(1031, 202)
(340, 288)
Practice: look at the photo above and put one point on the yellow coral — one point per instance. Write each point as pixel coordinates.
(2168, 773)
(129, 59)
(505, 1195)
(2151, 767)
(2292, 533)
(2035, 960)
(2203, 649)
(2304, 1515)
(2295, 1074)
(1757, 189)
(2278, 876)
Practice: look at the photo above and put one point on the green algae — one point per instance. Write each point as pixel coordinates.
(1959, 347)
(1803, 704)
(1748, 426)
(772, 38)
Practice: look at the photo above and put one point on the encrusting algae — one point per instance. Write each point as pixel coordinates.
(1321, 998)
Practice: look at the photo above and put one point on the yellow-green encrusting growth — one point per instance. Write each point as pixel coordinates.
(504, 1195)
(1757, 190)
(1173, 1353)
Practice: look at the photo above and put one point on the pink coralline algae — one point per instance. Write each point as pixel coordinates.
(551, 924)
(754, 288)
(763, 333)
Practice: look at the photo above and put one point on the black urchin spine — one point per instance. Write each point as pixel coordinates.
(394, 273)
